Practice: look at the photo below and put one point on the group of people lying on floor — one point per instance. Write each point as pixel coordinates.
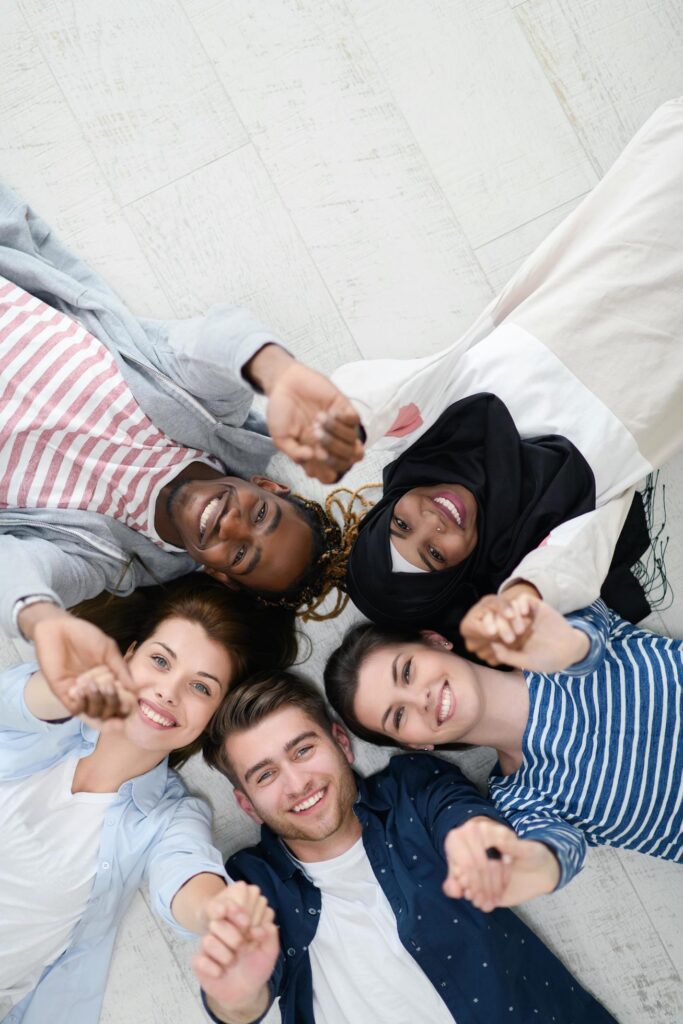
(505, 536)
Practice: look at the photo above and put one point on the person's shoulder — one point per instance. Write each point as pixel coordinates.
(413, 771)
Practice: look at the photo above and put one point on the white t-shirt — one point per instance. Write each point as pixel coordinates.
(48, 859)
(362, 973)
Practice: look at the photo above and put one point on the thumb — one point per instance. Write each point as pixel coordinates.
(114, 661)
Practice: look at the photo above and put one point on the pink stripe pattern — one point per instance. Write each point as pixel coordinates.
(71, 433)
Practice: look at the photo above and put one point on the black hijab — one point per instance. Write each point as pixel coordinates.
(523, 489)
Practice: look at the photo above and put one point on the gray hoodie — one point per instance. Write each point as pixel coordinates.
(186, 376)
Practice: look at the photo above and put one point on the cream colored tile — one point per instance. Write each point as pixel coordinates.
(659, 884)
(145, 985)
(46, 158)
(348, 169)
(479, 106)
(610, 64)
(599, 927)
(222, 234)
(140, 87)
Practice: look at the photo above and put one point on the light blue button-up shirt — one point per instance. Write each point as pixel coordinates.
(154, 832)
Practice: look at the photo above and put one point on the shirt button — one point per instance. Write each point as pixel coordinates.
(291, 951)
(312, 910)
(105, 865)
(109, 821)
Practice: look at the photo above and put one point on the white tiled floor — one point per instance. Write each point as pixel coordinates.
(365, 175)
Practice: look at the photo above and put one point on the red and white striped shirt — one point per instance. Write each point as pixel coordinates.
(71, 433)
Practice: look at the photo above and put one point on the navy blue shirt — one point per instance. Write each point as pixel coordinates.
(486, 967)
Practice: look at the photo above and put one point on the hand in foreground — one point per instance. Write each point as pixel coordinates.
(309, 419)
(496, 619)
(100, 700)
(524, 868)
(552, 644)
(239, 950)
(67, 648)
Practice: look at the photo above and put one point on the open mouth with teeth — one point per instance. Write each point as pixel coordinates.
(210, 515)
(154, 718)
(311, 802)
(453, 507)
(445, 705)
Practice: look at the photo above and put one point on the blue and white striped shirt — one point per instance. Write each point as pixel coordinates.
(603, 752)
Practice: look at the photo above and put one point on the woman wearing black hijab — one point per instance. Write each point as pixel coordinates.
(518, 449)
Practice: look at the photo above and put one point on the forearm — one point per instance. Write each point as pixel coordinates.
(28, 618)
(41, 701)
(265, 367)
(243, 1014)
(188, 905)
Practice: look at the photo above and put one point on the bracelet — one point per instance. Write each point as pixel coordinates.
(26, 602)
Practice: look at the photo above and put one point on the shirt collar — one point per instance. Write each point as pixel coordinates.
(146, 790)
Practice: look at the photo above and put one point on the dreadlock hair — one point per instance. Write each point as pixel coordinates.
(332, 545)
(343, 669)
(255, 637)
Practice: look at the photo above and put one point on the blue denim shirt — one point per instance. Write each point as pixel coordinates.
(486, 967)
(153, 832)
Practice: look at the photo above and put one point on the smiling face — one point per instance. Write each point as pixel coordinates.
(181, 677)
(435, 527)
(244, 532)
(418, 694)
(296, 777)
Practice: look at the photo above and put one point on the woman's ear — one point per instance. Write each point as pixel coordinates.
(222, 577)
(130, 652)
(435, 639)
(418, 746)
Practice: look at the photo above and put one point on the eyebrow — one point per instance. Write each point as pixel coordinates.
(401, 536)
(205, 675)
(272, 525)
(394, 674)
(287, 747)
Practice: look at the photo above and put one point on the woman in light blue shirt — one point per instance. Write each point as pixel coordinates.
(588, 735)
(88, 812)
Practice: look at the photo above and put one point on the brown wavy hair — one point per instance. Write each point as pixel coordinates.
(256, 638)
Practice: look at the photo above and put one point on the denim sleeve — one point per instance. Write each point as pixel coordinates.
(444, 798)
(185, 849)
(594, 622)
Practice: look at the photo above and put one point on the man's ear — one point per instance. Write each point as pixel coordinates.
(435, 639)
(245, 804)
(222, 577)
(271, 485)
(343, 741)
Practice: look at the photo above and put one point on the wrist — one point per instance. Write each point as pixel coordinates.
(267, 366)
(579, 648)
(244, 1012)
(29, 615)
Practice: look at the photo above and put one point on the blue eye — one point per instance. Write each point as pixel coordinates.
(302, 751)
(202, 689)
(159, 660)
(264, 777)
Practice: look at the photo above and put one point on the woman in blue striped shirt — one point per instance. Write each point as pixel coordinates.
(588, 735)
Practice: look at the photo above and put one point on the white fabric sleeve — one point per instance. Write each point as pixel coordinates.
(569, 567)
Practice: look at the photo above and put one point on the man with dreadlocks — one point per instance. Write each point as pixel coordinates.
(129, 454)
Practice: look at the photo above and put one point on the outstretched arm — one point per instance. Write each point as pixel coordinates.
(237, 955)
(491, 867)
(309, 419)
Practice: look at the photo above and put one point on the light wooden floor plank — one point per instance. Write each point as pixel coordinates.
(610, 64)
(480, 108)
(149, 121)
